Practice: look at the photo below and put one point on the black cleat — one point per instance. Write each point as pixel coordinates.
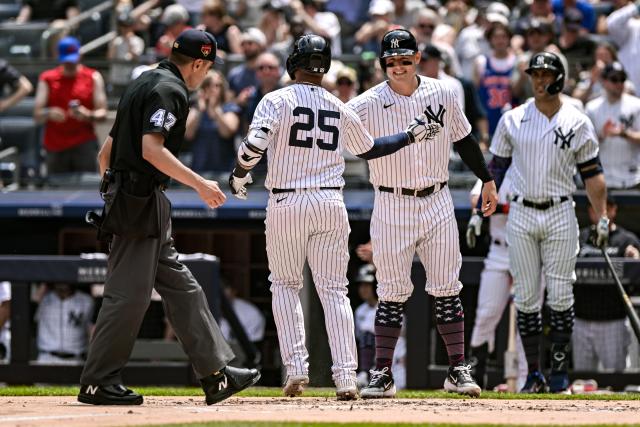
(536, 383)
(459, 380)
(112, 394)
(381, 385)
(227, 382)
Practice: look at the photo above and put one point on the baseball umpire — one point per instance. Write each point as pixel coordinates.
(547, 139)
(137, 160)
(413, 210)
(306, 129)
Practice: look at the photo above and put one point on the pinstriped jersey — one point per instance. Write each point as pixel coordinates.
(385, 112)
(620, 158)
(545, 151)
(309, 128)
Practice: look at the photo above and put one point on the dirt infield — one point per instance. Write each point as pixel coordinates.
(65, 411)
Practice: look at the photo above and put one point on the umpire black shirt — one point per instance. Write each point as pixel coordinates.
(156, 102)
(602, 302)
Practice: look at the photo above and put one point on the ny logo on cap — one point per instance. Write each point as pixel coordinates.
(540, 60)
(395, 43)
(205, 49)
(176, 45)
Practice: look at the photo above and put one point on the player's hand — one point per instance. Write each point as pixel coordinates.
(417, 129)
(210, 193)
(489, 198)
(602, 232)
(474, 227)
(238, 185)
(365, 252)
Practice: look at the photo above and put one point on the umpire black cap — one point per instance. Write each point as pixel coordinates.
(398, 42)
(196, 44)
(311, 53)
(548, 61)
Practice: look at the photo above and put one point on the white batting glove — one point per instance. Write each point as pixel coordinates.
(238, 185)
(474, 227)
(602, 232)
(417, 129)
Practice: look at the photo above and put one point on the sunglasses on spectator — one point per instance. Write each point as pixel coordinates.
(267, 67)
(404, 63)
(618, 79)
(426, 25)
(344, 82)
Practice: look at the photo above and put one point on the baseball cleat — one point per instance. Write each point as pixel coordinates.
(222, 385)
(536, 383)
(381, 385)
(112, 394)
(559, 383)
(459, 380)
(347, 392)
(295, 385)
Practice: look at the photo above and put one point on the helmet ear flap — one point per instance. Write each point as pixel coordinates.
(556, 86)
(290, 68)
(383, 64)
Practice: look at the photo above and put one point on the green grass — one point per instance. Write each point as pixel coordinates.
(311, 392)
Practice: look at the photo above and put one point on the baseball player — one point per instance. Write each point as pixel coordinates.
(546, 139)
(616, 117)
(413, 211)
(306, 129)
(495, 284)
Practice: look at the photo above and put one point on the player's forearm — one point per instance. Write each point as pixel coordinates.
(498, 168)
(470, 153)
(597, 193)
(386, 145)
(632, 136)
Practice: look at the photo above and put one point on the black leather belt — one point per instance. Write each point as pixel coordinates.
(292, 190)
(541, 205)
(411, 192)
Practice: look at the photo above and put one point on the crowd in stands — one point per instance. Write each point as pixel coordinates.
(479, 48)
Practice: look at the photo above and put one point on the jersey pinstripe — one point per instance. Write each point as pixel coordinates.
(385, 112)
(545, 151)
(309, 127)
(620, 158)
(403, 225)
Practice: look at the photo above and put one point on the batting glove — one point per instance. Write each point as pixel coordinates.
(474, 227)
(602, 232)
(238, 185)
(417, 129)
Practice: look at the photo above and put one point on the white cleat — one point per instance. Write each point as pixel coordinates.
(295, 385)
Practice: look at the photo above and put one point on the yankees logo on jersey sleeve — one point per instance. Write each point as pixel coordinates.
(384, 112)
(307, 129)
(545, 151)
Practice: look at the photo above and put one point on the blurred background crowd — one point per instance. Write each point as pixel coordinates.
(65, 63)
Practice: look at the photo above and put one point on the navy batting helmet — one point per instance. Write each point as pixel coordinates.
(366, 274)
(311, 53)
(397, 43)
(549, 61)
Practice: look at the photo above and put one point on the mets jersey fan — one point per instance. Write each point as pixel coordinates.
(305, 129)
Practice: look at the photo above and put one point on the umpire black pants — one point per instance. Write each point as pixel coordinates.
(135, 267)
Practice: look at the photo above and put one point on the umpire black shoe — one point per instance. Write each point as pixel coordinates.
(227, 382)
(459, 380)
(380, 385)
(536, 383)
(112, 394)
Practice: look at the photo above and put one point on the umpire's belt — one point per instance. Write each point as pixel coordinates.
(541, 205)
(65, 355)
(293, 190)
(413, 192)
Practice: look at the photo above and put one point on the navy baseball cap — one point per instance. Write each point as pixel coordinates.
(69, 50)
(431, 51)
(196, 44)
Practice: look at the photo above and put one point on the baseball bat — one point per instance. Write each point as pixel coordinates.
(510, 355)
(631, 313)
